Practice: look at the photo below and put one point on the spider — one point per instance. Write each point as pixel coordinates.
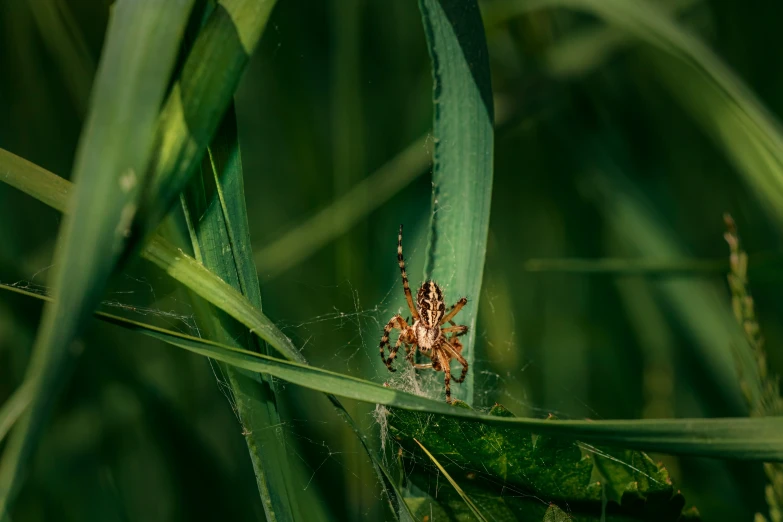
(427, 331)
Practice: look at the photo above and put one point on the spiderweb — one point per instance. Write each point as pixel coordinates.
(344, 338)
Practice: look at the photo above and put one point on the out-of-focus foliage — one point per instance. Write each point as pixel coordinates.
(590, 135)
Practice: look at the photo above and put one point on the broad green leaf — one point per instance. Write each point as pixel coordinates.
(727, 109)
(217, 215)
(736, 438)
(113, 153)
(463, 159)
(513, 474)
(198, 100)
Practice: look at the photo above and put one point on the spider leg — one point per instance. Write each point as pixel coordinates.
(393, 353)
(410, 352)
(447, 380)
(457, 330)
(405, 286)
(454, 310)
(395, 322)
(456, 352)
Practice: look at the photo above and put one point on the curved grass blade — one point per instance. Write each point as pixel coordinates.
(728, 438)
(216, 205)
(198, 100)
(473, 508)
(113, 153)
(463, 158)
(706, 87)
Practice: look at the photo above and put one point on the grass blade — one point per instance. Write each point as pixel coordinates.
(216, 203)
(706, 87)
(729, 438)
(13, 408)
(470, 504)
(141, 45)
(199, 99)
(463, 158)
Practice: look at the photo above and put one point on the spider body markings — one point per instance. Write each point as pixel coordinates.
(427, 333)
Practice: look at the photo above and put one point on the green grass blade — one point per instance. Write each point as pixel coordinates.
(47, 187)
(12, 408)
(210, 197)
(707, 88)
(473, 508)
(463, 158)
(114, 149)
(728, 438)
(199, 99)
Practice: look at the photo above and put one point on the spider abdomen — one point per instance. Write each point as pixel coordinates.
(426, 337)
(430, 303)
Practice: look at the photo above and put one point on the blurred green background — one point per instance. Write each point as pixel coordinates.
(600, 152)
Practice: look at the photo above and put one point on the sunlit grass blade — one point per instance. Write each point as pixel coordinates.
(729, 438)
(463, 158)
(198, 100)
(473, 508)
(727, 109)
(112, 157)
(210, 197)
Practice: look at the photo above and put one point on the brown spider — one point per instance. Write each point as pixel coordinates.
(426, 332)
